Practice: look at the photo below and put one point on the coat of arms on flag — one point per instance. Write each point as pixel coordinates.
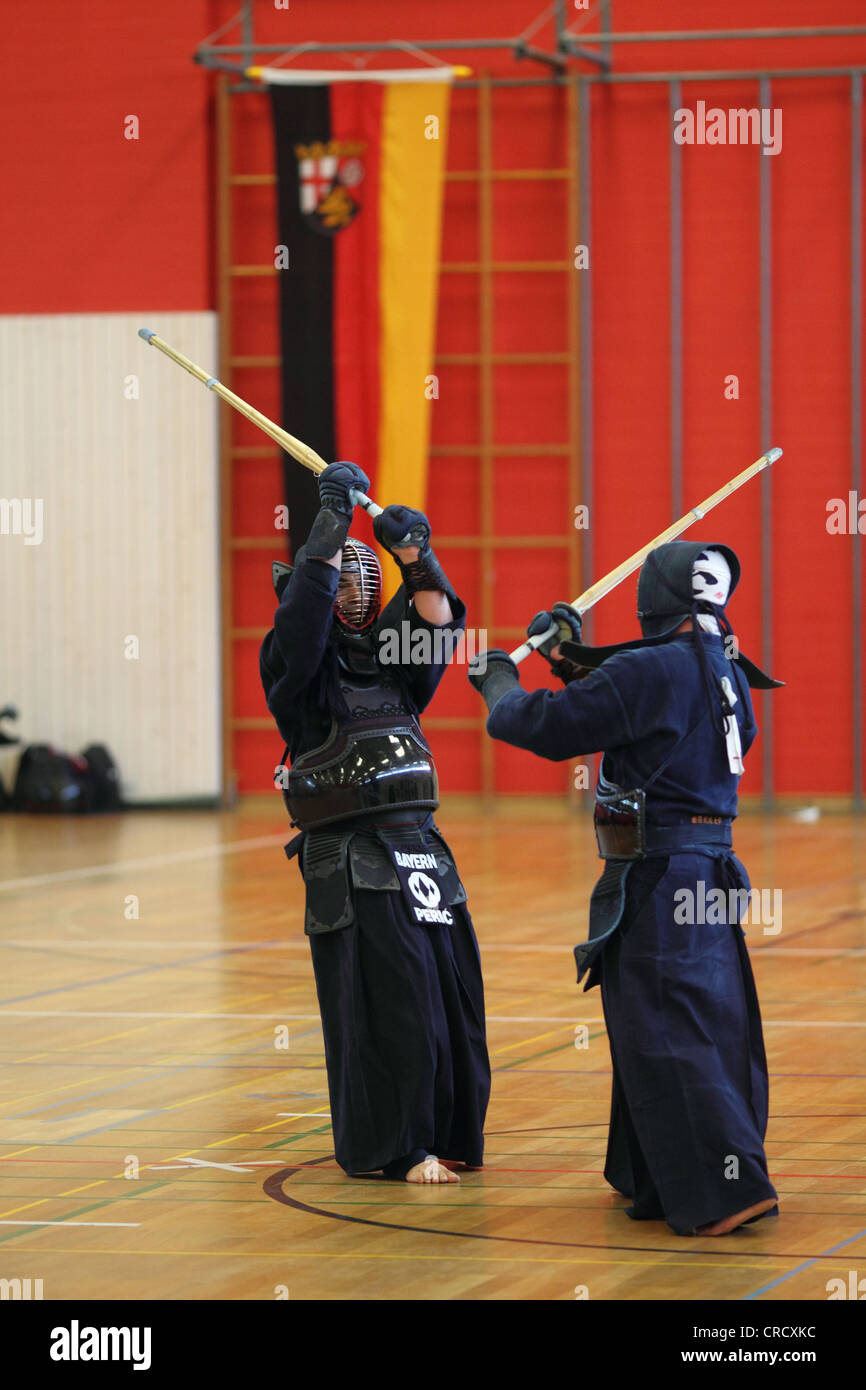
(328, 176)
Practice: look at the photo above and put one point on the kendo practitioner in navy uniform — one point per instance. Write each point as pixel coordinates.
(672, 715)
(396, 961)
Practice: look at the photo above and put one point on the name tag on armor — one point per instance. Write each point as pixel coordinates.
(426, 891)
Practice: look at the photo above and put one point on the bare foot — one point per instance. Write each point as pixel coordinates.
(730, 1223)
(430, 1170)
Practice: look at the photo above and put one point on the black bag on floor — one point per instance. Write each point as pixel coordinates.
(104, 778)
(51, 782)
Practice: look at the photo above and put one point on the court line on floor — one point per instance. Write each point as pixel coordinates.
(273, 1187)
(127, 974)
(143, 1013)
(327, 1255)
(492, 1169)
(69, 1223)
(107, 1090)
(266, 841)
(175, 1070)
(807, 1265)
(491, 1018)
(150, 861)
(216, 1062)
(297, 1018)
(542, 948)
(145, 1064)
(250, 1197)
(177, 1105)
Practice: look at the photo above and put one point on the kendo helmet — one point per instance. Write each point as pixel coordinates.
(681, 576)
(359, 591)
(679, 580)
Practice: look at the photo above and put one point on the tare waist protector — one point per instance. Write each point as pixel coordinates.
(372, 765)
(620, 822)
(623, 833)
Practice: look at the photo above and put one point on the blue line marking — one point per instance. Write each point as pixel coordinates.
(105, 1090)
(213, 1064)
(808, 1264)
(126, 1123)
(125, 974)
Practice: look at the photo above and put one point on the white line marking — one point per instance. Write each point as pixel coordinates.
(70, 1223)
(64, 943)
(119, 944)
(303, 1114)
(241, 1167)
(813, 1022)
(298, 1018)
(806, 950)
(491, 1018)
(123, 865)
(541, 1018)
(107, 1013)
(541, 946)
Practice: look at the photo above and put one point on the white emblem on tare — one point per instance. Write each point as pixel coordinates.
(424, 889)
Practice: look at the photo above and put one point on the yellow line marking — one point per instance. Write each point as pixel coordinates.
(276, 1123)
(70, 1192)
(207, 1095)
(217, 1143)
(26, 1207)
(16, 1152)
(576, 1259)
(108, 1037)
(179, 1105)
(56, 1090)
(138, 1066)
(525, 1042)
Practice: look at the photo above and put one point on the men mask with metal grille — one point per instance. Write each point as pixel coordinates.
(359, 592)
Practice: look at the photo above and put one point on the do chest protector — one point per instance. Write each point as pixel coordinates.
(378, 761)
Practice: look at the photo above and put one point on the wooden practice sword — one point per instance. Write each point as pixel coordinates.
(298, 450)
(603, 586)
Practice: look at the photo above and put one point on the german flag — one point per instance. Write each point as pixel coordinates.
(360, 168)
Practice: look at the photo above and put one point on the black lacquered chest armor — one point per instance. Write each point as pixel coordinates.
(377, 761)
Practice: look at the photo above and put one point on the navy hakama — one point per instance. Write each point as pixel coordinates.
(689, 1106)
(402, 1009)
(689, 1093)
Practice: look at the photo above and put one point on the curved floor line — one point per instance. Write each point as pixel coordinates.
(273, 1188)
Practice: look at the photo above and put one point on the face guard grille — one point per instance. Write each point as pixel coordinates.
(359, 592)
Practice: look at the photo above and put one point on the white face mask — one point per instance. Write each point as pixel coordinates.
(711, 582)
(711, 577)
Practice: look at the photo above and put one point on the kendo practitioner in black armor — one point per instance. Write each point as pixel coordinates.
(672, 715)
(396, 961)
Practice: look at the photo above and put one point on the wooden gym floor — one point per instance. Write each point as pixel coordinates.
(156, 1142)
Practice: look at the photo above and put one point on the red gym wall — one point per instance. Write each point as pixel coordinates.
(92, 223)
